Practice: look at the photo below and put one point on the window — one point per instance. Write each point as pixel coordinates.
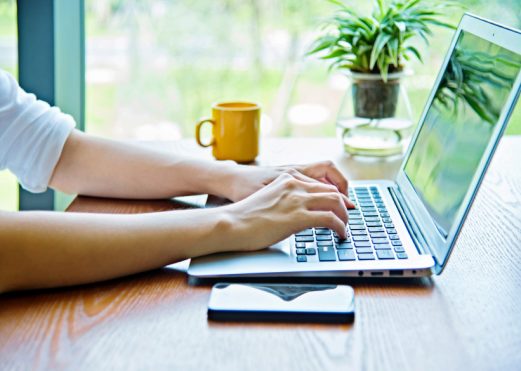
(154, 67)
(8, 62)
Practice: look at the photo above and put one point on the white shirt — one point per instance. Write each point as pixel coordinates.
(32, 135)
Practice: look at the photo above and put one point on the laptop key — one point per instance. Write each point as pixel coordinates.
(311, 251)
(301, 251)
(363, 244)
(374, 224)
(365, 257)
(359, 232)
(358, 226)
(388, 225)
(345, 255)
(324, 238)
(300, 244)
(324, 243)
(372, 219)
(382, 246)
(401, 255)
(326, 254)
(356, 221)
(385, 254)
(304, 239)
(394, 237)
(326, 232)
(305, 232)
(391, 231)
(378, 235)
(380, 240)
(370, 214)
(360, 238)
(364, 250)
(375, 229)
(399, 249)
(344, 245)
(302, 258)
(396, 243)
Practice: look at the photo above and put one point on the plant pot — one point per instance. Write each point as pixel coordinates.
(375, 116)
(375, 98)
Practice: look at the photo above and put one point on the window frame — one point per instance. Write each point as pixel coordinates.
(51, 64)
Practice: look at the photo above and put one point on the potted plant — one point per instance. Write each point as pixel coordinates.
(375, 48)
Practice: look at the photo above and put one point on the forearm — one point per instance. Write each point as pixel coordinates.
(98, 167)
(44, 249)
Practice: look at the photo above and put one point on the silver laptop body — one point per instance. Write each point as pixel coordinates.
(464, 118)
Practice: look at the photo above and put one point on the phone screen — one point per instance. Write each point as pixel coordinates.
(281, 302)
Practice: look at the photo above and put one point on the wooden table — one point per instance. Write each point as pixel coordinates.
(468, 318)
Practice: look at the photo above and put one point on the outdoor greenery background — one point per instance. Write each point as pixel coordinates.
(155, 66)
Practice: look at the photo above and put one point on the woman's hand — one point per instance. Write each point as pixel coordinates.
(287, 205)
(246, 180)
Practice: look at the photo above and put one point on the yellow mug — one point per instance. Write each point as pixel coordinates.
(235, 131)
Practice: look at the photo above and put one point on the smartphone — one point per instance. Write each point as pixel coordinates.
(281, 303)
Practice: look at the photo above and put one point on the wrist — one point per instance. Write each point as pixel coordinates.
(223, 231)
(224, 179)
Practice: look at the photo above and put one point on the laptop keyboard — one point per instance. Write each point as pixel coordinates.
(370, 234)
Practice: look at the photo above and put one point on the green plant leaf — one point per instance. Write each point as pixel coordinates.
(322, 43)
(392, 48)
(436, 22)
(383, 66)
(379, 44)
(411, 3)
(414, 51)
(335, 54)
(381, 8)
(343, 6)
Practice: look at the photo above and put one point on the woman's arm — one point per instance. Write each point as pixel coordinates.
(49, 249)
(100, 167)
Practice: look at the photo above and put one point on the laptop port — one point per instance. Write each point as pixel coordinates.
(377, 273)
(396, 272)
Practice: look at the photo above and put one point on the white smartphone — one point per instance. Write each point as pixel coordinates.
(281, 303)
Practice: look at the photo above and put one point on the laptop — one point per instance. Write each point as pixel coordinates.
(409, 227)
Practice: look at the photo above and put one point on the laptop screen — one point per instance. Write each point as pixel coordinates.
(459, 124)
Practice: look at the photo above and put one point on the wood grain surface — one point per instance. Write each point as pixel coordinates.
(469, 318)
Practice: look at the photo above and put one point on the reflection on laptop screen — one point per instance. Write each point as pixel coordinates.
(459, 123)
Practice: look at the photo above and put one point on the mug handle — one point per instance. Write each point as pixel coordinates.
(198, 132)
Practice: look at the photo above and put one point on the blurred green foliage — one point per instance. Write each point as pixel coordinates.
(225, 49)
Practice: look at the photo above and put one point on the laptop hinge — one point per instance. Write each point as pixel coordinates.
(408, 218)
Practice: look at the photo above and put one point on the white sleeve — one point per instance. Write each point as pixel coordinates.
(32, 135)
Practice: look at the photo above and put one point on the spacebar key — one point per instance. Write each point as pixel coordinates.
(326, 254)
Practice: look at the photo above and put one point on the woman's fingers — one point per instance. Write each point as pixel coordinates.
(327, 171)
(328, 202)
(317, 187)
(329, 220)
